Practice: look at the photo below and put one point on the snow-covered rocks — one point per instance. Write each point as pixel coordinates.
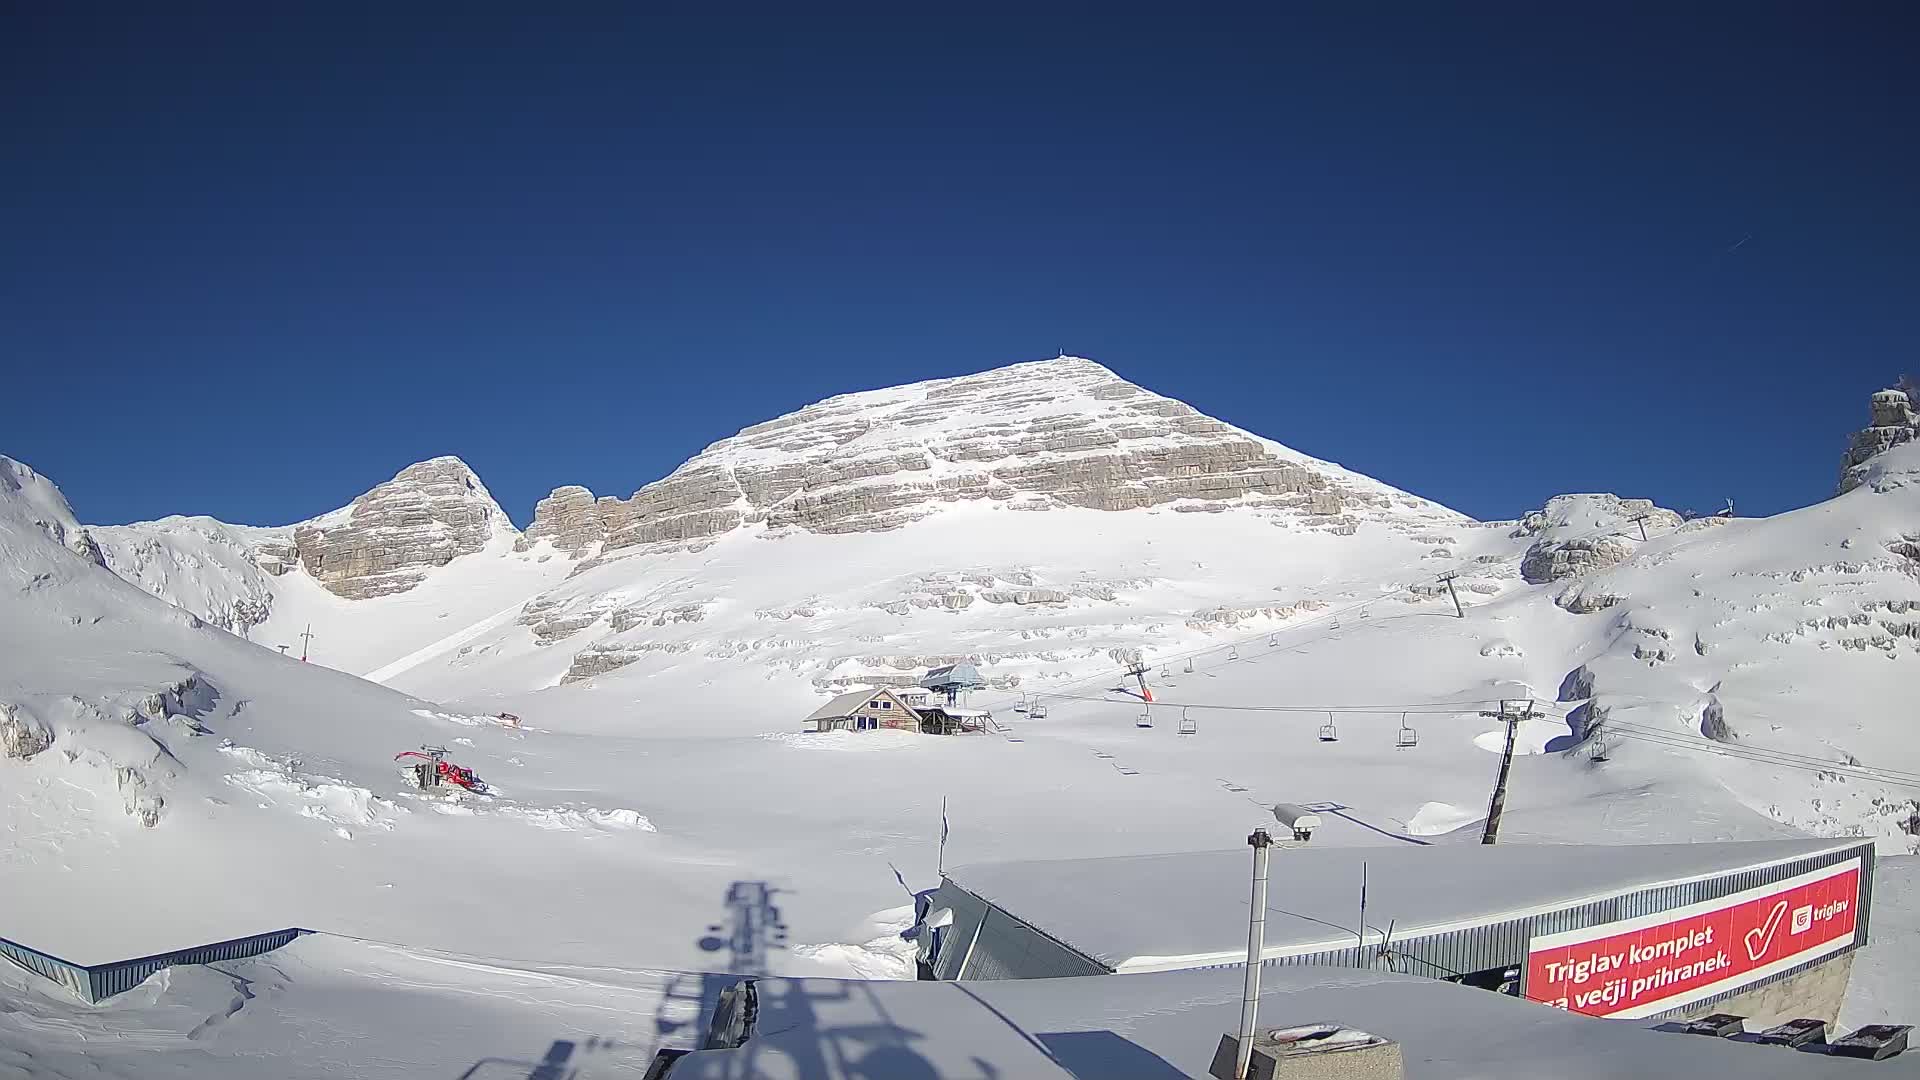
(281, 782)
(34, 500)
(386, 541)
(22, 736)
(1892, 421)
(208, 567)
(599, 659)
(1578, 534)
(568, 519)
(1057, 433)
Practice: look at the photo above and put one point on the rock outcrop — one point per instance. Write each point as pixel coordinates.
(1892, 421)
(386, 541)
(568, 519)
(1578, 534)
(21, 736)
(1054, 434)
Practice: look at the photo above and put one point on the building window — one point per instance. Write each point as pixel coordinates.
(886, 704)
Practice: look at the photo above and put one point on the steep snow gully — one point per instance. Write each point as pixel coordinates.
(654, 656)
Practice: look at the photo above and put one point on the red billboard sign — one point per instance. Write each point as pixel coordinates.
(1645, 965)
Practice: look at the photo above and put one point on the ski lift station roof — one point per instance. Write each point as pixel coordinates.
(1453, 909)
(1167, 1025)
(954, 677)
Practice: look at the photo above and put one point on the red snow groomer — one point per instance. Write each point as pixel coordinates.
(432, 771)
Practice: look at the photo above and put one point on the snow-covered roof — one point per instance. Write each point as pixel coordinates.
(1167, 1024)
(1160, 912)
(961, 676)
(846, 703)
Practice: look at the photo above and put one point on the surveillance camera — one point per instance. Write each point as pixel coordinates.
(1297, 818)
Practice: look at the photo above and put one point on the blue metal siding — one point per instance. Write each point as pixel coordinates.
(71, 976)
(98, 982)
(107, 980)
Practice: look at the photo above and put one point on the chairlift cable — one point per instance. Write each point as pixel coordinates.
(1334, 614)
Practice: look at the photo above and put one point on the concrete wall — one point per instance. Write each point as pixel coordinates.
(1816, 993)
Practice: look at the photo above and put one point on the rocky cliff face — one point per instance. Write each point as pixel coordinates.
(568, 518)
(1891, 422)
(386, 541)
(1038, 436)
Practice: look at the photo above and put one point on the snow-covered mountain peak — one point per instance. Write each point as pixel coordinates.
(429, 514)
(1051, 434)
(384, 542)
(25, 493)
(28, 498)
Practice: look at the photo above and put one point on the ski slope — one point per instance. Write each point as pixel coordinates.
(1723, 679)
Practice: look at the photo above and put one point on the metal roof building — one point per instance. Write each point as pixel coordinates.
(1166, 1025)
(1680, 924)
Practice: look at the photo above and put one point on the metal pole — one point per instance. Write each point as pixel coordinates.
(1499, 802)
(1458, 611)
(1256, 938)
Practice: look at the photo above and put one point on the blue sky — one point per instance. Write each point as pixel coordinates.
(258, 260)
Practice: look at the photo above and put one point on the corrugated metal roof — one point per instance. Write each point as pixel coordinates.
(1190, 909)
(959, 676)
(1169, 1024)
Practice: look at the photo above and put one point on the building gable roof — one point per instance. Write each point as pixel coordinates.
(846, 703)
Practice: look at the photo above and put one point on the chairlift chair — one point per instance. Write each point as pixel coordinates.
(1037, 711)
(1328, 733)
(1189, 665)
(1233, 653)
(1145, 718)
(1188, 725)
(1273, 640)
(1166, 672)
(1407, 738)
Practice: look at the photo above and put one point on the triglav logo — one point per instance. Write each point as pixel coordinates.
(1802, 919)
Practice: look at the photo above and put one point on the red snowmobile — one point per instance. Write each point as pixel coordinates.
(431, 769)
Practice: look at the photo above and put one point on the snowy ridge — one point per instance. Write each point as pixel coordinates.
(1035, 436)
(1722, 679)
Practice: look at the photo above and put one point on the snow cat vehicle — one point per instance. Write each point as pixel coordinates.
(430, 770)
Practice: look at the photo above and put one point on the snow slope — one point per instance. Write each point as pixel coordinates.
(215, 570)
(659, 780)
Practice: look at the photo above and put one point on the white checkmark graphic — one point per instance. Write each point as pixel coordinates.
(1761, 937)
